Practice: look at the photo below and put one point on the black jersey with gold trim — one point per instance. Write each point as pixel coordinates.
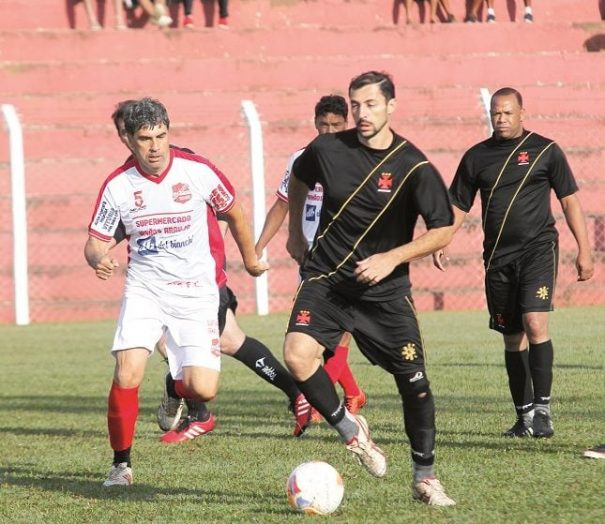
(372, 201)
(514, 178)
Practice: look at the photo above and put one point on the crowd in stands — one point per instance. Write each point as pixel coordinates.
(129, 13)
(135, 13)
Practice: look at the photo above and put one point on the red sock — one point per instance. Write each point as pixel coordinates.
(348, 382)
(122, 412)
(335, 364)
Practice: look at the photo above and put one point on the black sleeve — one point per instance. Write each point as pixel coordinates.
(463, 188)
(431, 198)
(306, 166)
(120, 233)
(561, 176)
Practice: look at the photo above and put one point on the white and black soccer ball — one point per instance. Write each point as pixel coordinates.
(315, 488)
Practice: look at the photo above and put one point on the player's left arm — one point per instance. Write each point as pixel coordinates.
(572, 209)
(379, 266)
(242, 234)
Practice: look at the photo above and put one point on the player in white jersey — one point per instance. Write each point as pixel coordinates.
(330, 117)
(251, 352)
(167, 201)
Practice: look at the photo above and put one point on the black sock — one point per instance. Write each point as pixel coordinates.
(121, 456)
(197, 410)
(419, 422)
(519, 380)
(259, 359)
(541, 358)
(170, 386)
(321, 394)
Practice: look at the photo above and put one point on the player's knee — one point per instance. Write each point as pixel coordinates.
(413, 385)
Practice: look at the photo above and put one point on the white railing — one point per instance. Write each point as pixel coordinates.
(257, 166)
(17, 169)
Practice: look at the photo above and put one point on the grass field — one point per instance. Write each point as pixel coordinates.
(55, 452)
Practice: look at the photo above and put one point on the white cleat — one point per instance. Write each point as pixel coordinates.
(120, 475)
(431, 492)
(368, 454)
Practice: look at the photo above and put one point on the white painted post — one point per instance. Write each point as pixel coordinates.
(486, 99)
(258, 193)
(19, 209)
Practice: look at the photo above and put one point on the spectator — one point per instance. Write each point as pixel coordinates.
(223, 20)
(472, 16)
(156, 10)
(602, 9)
(94, 21)
(434, 6)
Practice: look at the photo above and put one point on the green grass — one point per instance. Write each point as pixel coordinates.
(53, 442)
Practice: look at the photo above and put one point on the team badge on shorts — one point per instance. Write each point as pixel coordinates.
(409, 351)
(523, 158)
(303, 317)
(499, 320)
(181, 193)
(385, 182)
(542, 293)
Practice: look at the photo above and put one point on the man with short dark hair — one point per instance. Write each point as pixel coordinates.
(514, 171)
(331, 112)
(356, 274)
(167, 201)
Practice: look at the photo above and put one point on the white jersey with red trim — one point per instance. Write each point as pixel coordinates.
(174, 242)
(310, 219)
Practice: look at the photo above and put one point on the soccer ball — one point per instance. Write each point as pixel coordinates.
(315, 488)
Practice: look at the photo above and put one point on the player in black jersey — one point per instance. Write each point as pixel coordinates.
(514, 172)
(376, 185)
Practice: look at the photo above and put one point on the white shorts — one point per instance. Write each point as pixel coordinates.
(192, 338)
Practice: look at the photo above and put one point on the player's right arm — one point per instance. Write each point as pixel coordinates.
(273, 221)
(96, 252)
(439, 256)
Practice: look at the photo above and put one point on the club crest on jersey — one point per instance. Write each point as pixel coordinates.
(220, 197)
(523, 158)
(385, 182)
(303, 317)
(181, 193)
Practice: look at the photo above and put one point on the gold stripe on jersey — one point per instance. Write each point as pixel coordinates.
(424, 352)
(512, 200)
(554, 270)
(500, 176)
(368, 229)
(359, 188)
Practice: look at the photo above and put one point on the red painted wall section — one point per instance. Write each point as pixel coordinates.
(283, 55)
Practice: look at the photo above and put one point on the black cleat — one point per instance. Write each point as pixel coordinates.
(542, 425)
(519, 430)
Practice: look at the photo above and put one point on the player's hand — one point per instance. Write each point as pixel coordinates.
(105, 267)
(257, 268)
(375, 268)
(439, 257)
(585, 267)
(297, 247)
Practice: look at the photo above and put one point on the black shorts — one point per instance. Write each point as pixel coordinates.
(227, 301)
(523, 286)
(387, 332)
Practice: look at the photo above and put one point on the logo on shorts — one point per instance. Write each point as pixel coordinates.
(215, 347)
(523, 158)
(409, 351)
(385, 183)
(181, 193)
(499, 319)
(303, 317)
(418, 376)
(542, 293)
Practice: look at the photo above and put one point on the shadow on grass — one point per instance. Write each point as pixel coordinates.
(89, 485)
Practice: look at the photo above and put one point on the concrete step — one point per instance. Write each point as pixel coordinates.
(295, 42)
(322, 73)
(269, 13)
